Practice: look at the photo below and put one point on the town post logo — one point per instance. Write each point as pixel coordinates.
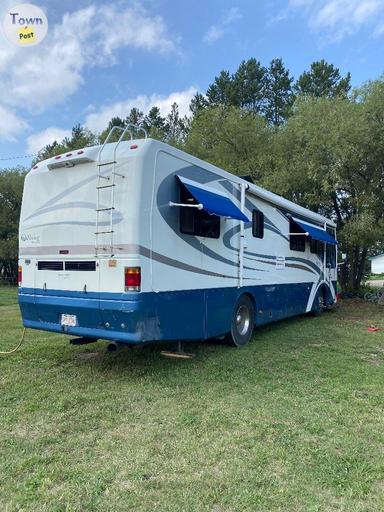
(25, 25)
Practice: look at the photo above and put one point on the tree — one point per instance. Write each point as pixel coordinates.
(323, 80)
(198, 102)
(329, 157)
(11, 190)
(176, 128)
(221, 91)
(80, 138)
(136, 117)
(249, 85)
(115, 121)
(279, 96)
(155, 124)
(232, 138)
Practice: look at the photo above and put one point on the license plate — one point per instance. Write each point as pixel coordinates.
(69, 320)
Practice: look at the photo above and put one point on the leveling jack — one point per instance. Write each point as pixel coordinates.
(179, 353)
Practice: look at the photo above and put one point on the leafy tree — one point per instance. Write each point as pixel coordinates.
(11, 190)
(279, 96)
(323, 80)
(48, 151)
(329, 157)
(232, 138)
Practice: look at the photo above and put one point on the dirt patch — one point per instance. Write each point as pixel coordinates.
(375, 362)
(87, 355)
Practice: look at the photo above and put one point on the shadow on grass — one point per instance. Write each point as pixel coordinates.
(275, 338)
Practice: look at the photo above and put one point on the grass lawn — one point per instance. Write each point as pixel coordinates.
(8, 295)
(292, 422)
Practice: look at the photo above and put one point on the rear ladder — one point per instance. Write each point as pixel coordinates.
(105, 193)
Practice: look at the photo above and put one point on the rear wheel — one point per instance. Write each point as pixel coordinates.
(319, 304)
(242, 324)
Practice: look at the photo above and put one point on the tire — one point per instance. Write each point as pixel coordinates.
(242, 323)
(319, 304)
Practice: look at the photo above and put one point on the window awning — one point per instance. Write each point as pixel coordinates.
(316, 233)
(213, 201)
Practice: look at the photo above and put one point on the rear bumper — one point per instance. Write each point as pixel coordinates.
(117, 320)
(127, 318)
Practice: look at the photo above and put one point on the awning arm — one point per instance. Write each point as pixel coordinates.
(198, 206)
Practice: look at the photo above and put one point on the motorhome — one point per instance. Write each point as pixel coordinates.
(135, 241)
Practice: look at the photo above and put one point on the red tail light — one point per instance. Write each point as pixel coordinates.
(132, 279)
(19, 275)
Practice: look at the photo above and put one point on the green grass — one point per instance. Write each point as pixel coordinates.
(292, 422)
(8, 295)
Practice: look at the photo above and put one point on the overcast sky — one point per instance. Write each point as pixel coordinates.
(100, 58)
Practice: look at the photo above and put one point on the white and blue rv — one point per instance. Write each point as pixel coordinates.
(136, 241)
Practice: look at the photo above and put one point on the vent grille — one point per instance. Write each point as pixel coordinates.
(87, 266)
(50, 265)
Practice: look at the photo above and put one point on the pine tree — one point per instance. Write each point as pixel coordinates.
(323, 80)
(198, 102)
(248, 85)
(154, 124)
(176, 127)
(279, 96)
(221, 91)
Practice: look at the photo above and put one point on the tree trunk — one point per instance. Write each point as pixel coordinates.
(362, 262)
(351, 272)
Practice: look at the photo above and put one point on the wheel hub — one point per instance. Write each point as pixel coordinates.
(242, 320)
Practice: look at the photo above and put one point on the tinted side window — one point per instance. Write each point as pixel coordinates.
(296, 242)
(331, 256)
(317, 247)
(197, 222)
(258, 224)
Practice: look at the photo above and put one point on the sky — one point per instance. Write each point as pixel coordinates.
(100, 59)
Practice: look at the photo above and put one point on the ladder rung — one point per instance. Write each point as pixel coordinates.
(104, 209)
(103, 232)
(118, 174)
(104, 177)
(106, 186)
(106, 163)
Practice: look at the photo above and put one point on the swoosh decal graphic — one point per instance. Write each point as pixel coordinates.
(129, 249)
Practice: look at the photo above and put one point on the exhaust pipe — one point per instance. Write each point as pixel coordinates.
(114, 347)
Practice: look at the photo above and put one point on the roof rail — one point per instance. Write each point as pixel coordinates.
(131, 128)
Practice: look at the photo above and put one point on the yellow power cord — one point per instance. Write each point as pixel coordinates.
(17, 346)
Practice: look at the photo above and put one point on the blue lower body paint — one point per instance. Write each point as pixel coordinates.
(144, 317)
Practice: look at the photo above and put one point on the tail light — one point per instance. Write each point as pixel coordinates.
(19, 275)
(132, 279)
